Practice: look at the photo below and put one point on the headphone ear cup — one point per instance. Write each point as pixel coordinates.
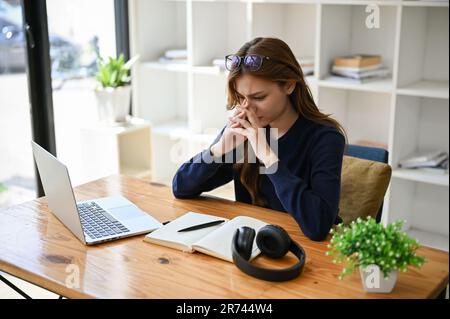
(273, 241)
(243, 241)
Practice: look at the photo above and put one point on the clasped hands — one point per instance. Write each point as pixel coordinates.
(246, 124)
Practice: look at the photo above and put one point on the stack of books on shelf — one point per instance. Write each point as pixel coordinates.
(433, 162)
(307, 65)
(174, 56)
(358, 69)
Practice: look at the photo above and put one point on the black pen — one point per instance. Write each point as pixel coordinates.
(216, 222)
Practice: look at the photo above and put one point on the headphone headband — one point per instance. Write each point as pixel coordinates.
(266, 273)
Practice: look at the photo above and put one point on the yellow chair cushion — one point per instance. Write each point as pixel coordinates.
(363, 185)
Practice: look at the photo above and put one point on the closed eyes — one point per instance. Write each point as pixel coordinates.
(257, 98)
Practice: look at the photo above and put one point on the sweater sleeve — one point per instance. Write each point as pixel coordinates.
(202, 173)
(314, 206)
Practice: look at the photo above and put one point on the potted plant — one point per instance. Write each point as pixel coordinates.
(114, 93)
(379, 251)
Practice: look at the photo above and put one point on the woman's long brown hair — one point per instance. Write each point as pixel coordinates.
(280, 68)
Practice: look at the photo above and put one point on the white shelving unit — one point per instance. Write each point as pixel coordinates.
(126, 149)
(407, 112)
(424, 177)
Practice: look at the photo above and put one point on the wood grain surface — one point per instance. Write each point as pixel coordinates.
(36, 247)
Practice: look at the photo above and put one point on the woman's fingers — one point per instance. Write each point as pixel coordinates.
(242, 122)
(240, 115)
(237, 110)
(237, 113)
(253, 119)
(251, 116)
(239, 130)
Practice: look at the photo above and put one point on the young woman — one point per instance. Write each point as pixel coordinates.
(267, 90)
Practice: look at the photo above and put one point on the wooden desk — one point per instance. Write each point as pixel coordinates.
(36, 247)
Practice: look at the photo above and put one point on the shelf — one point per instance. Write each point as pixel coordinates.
(423, 177)
(184, 67)
(178, 128)
(108, 150)
(311, 80)
(423, 55)
(175, 127)
(362, 2)
(133, 124)
(429, 239)
(212, 70)
(425, 3)
(406, 111)
(173, 67)
(356, 2)
(343, 2)
(275, 1)
(382, 86)
(305, 1)
(217, 28)
(294, 22)
(433, 89)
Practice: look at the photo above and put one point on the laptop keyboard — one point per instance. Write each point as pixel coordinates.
(97, 222)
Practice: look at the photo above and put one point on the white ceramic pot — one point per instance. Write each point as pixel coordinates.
(373, 279)
(113, 104)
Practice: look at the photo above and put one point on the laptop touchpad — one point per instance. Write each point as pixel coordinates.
(126, 212)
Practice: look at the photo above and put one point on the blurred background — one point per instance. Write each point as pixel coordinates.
(76, 35)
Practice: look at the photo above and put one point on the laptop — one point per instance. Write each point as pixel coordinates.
(92, 221)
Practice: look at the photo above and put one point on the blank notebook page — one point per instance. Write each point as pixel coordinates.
(170, 232)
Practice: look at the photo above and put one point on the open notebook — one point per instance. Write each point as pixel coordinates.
(214, 241)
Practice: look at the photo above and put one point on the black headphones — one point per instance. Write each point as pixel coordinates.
(274, 242)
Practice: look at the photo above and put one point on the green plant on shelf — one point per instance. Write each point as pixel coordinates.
(114, 72)
(365, 242)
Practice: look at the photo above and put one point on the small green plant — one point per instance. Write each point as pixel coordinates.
(114, 72)
(366, 242)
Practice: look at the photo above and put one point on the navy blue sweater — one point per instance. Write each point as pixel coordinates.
(306, 183)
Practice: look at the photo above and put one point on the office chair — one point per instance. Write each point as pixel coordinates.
(368, 153)
(372, 154)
